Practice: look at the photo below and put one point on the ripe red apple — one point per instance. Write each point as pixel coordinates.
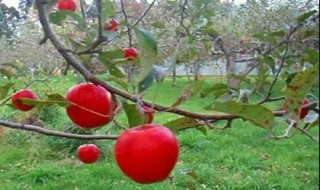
(130, 53)
(67, 5)
(92, 105)
(303, 112)
(111, 25)
(150, 112)
(147, 153)
(25, 93)
(88, 153)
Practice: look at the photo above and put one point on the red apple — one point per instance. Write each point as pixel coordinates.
(111, 25)
(88, 153)
(25, 93)
(130, 53)
(67, 5)
(303, 112)
(150, 112)
(147, 153)
(91, 105)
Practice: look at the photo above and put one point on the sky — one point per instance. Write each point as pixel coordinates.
(15, 3)
(11, 3)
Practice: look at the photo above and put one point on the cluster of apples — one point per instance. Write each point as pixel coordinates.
(109, 25)
(71, 5)
(145, 153)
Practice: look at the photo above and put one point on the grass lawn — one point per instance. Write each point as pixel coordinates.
(241, 157)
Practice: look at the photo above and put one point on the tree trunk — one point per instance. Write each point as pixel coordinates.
(174, 75)
(196, 70)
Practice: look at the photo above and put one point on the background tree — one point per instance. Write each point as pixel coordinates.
(9, 17)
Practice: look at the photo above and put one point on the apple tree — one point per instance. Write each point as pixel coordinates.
(139, 43)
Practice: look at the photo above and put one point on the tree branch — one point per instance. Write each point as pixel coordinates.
(91, 78)
(127, 22)
(49, 132)
(144, 14)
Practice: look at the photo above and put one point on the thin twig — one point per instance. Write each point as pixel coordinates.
(184, 7)
(144, 14)
(127, 22)
(49, 132)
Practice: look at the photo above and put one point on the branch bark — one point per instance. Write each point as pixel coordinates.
(49, 132)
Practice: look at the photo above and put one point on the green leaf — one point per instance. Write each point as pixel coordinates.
(121, 81)
(108, 10)
(159, 24)
(182, 123)
(148, 51)
(214, 88)
(300, 86)
(6, 73)
(51, 100)
(191, 90)
(290, 77)
(146, 83)
(58, 18)
(257, 114)
(114, 54)
(4, 90)
(133, 115)
(312, 56)
(58, 99)
(269, 60)
(241, 78)
(280, 33)
(115, 71)
(305, 16)
(77, 44)
(203, 130)
(266, 37)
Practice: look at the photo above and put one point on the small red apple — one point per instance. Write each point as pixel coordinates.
(147, 153)
(91, 105)
(88, 153)
(25, 93)
(130, 53)
(67, 5)
(111, 25)
(303, 112)
(150, 112)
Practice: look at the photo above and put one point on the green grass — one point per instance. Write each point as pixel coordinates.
(240, 157)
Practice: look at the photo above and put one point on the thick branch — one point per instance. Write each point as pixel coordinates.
(49, 132)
